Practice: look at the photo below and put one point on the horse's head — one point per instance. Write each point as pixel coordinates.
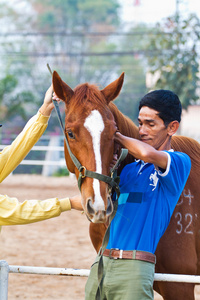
(90, 129)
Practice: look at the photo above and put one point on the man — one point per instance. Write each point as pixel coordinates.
(150, 188)
(12, 212)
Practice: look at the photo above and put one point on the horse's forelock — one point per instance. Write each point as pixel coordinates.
(88, 94)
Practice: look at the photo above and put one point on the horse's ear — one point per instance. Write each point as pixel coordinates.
(62, 90)
(112, 90)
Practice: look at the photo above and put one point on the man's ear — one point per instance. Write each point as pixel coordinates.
(172, 127)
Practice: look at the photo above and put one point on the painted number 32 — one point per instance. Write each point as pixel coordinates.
(188, 219)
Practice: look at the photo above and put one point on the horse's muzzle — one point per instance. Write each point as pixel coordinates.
(99, 215)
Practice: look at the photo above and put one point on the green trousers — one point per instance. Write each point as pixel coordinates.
(123, 279)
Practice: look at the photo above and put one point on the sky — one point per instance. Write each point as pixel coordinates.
(152, 11)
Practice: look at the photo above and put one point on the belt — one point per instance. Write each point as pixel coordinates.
(130, 254)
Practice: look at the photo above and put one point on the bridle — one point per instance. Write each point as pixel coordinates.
(112, 180)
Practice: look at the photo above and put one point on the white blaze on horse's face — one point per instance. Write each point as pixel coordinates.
(95, 125)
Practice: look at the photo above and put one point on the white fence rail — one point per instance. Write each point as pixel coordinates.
(42, 162)
(5, 269)
(53, 158)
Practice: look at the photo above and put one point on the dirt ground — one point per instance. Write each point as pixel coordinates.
(59, 242)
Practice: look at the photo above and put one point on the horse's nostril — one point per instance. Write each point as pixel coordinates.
(90, 208)
(99, 214)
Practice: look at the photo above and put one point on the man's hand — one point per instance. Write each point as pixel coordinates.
(113, 162)
(76, 202)
(55, 97)
(47, 105)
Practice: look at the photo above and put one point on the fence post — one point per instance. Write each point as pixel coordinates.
(4, 272)
(52, 156)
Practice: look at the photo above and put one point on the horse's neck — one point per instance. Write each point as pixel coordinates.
(125, 125)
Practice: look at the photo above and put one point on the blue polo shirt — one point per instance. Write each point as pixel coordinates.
(146, 203)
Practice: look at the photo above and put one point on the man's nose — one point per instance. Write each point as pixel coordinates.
(142, 130)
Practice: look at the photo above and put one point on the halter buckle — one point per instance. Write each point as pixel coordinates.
(82, 170)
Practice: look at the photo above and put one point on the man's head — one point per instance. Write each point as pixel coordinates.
(166, 103)
(159, 117)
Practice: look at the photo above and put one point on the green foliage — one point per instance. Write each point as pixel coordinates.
(75, 14)
(7, 85)
(21, 104)
(12, 103)
(74, 20)
(83, 56)
(175, 58)
(134, 66)
(72, 49)
(99, 11)
(61, 172)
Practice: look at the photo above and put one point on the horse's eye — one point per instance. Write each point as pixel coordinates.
(70, 134)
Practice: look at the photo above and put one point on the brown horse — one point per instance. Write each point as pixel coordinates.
(91, 121)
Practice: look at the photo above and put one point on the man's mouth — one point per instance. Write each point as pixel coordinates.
(145, 140)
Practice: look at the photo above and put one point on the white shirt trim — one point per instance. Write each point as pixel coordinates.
(168, 165)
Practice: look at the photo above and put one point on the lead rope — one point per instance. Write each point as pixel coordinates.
(104, 245)
(75, 160)
(107, 234)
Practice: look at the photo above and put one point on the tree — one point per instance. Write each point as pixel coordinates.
(15, 93)
(174, 57)
(71, 23)
(13, 103)
(67, 34)
(75, 15)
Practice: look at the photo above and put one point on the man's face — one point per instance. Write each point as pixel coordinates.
(151, 128)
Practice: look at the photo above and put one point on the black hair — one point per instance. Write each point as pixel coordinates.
(166, 103)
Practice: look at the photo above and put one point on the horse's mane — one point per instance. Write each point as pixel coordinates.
(188, 146)
(127, 127)
(192, 148)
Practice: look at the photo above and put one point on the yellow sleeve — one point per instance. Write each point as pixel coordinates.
(12, 212)
(12, 155)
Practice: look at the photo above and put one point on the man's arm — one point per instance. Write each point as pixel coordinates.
(13, 212)
(143, 151)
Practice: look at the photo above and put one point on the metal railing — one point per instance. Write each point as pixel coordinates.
(5, 269)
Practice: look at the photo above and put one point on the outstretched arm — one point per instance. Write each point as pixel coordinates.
(13, 212)
(12, 155)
